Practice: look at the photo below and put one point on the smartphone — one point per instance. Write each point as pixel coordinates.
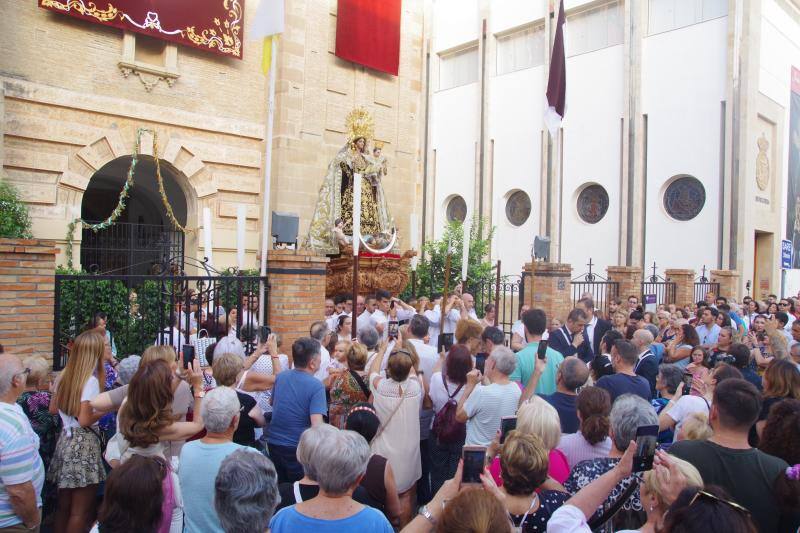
(263, 333)
(393, 329)
(541, 352)
(474, 459)
(445, 342)
(188, 355)
(507, 424)
(687, 383)
(646, 440)
(480, 361)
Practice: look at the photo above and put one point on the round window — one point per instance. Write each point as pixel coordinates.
(684, 198)
(592, 204)
(456, 209)
(518, 208)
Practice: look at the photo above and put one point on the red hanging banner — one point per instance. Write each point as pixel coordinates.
(211, 25)
(368, 33)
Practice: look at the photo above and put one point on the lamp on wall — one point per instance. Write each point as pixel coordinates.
(541, 248)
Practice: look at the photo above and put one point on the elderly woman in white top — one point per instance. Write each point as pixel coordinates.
(397, 400)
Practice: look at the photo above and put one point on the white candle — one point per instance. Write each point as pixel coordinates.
(208, 249)
(465, 250)
(413, 227)
(241, 218)
(356, 212)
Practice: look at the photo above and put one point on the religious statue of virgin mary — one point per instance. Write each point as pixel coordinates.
(333, 214)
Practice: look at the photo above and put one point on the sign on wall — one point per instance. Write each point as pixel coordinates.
(210, 25)
(793, 197)
(786, 254)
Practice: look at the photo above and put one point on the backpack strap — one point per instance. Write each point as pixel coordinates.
(450, 396)
(609, 513)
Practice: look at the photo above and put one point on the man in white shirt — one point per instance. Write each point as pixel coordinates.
(329, 307)
(320, 332)
(380, 316)
(434, 317)
(417, 332)
(458, 307)
(518, 341)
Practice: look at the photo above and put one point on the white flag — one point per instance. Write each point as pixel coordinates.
(269, 20)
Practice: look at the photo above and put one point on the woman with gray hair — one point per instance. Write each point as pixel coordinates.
(628, 413)
(338, 467)
(307, 488)
(246, 492)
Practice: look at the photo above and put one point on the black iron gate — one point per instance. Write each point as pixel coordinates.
(665, 291)
(591, 284)
(127, 248)
(702, 286)
(507, 298)
(168, 308)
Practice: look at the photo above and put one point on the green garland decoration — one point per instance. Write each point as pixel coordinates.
(123, 196)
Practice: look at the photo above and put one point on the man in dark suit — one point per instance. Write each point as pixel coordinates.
(594, 330)
(647, 364)
(569, 339)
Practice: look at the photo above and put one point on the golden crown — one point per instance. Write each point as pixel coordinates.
(378, 145)
(359, 124)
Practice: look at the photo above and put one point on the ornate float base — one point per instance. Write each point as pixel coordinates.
(388, 272)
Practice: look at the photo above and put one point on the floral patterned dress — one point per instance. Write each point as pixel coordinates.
(345, 393)
(36, 406)
(631, 513)
(108, 424)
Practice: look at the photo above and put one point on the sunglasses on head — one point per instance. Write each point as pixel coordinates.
(709, 496)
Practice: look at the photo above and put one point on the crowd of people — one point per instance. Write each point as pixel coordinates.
(368, 428)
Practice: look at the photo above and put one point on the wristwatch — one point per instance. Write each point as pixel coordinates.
(427, 514)
(200, 394)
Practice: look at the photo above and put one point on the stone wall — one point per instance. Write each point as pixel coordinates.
(27, 270)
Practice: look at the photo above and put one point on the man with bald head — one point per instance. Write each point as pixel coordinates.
(21, 468)
(647, 365)
(572, 375)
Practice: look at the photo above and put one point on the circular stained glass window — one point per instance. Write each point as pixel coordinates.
(684, 198)
(592, 204)
(518, 208)
(456, 209)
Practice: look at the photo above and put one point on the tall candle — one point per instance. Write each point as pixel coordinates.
(356, 212)
(465, 251)
(207, 229)
(241, 218)
(413, 227)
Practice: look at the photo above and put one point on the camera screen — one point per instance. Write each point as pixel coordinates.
(473, 466)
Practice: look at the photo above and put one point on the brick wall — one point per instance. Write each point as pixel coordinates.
(27, 270)
(629, 279)
(684, 285)
(549, 288)
(297, 293)
(728, 283)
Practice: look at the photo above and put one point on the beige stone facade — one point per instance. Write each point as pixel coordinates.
(75, 93)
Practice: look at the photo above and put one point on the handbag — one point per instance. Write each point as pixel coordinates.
(447, 429)
(201, 344)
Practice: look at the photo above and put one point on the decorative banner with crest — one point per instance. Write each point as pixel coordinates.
(211, 25)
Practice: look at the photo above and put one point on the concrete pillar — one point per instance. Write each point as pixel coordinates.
(728, 283)
(684, 285)
(629, 279)
(297, 293)
(549, 288)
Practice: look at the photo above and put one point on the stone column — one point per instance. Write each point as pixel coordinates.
(684, 285)
(27, 270)
(728, 283)
(629, 280)
(548, 287)
(297, 293)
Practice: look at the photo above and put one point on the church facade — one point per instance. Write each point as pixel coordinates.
(675, 148)
(78, 94)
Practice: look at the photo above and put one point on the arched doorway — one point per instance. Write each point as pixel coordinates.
(143, 234)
